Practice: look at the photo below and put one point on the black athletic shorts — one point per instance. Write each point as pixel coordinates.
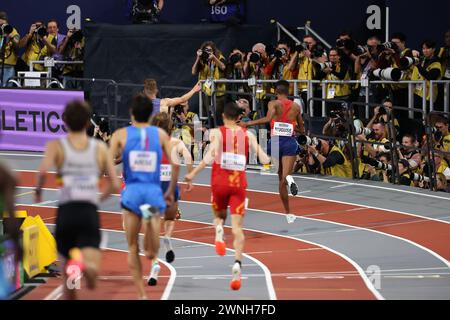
(77, 225)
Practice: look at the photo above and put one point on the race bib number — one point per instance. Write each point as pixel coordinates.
(165, 172)
(447, 73)
(81, 188)
(331, 93)
(283, 129)
(232, 161)
(143, 161)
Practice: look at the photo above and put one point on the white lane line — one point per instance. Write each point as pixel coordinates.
(189, 267)
(343, 202)
(351, 228)
(55, 294)
(172, 277)
(329, 200)
(340, 186)
(361, 272)
(21, 155)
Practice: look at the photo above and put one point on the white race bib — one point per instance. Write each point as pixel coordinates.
(447, 73)
(232, 161)
(143, 161)
(283, 129)
(165, 172)
(81, 188)
(331, 92)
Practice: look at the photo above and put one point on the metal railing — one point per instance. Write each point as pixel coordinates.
(50, 63)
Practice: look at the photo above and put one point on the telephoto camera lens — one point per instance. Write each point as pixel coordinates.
(388, 74)
(77, 36)
(406, 62)
(324, 65)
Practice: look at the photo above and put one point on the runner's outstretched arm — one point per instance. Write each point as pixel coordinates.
(172, 102)
(269, 116)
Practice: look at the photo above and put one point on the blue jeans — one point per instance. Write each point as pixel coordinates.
(8, 72)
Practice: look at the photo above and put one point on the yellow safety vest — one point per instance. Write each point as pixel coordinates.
(36, 51)
(337, 90)
(417, 76)
(305, 72)
(10, 52)
(341, 170)
(216, 74)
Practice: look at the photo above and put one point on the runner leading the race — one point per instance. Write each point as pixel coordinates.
(285, 119)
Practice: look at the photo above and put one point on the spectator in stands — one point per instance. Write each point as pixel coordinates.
(302, 64)
(363, 66)
(444, 56)
(72, 49)
(334, 71)
(400, 91)
(38, 44)
(145, 11)
(278, 67)
(185, 122)
(379, 137)
(442, 135)
(58, 38)
(210, 64)
(235, 71)
(10, 43)
(408, 152)
(383, 114)
(255, 63)
(427, 68)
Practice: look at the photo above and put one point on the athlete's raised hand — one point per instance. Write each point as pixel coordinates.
(189, 186)
(188, 178)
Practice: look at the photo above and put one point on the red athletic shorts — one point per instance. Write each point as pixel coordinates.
(223, 196)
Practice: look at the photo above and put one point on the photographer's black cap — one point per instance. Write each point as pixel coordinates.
(3, 15)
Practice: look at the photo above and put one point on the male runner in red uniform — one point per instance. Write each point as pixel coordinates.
(285, 119)
(229, 150)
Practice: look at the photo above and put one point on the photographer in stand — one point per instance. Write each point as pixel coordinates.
(209, 65)
(235, 71)
(38, 44)
(184, 123)
(72, 49)
(9, 46)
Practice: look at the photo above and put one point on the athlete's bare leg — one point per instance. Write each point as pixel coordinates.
(219, 219)
(132, 228)
(91, 262)
(238, 234)
(69, 285)
(151, 237)
(285, 169)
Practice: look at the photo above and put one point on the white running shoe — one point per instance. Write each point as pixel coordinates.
(153, 277)
(236, 281)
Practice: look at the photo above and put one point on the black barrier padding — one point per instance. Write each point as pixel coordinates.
(163, 52)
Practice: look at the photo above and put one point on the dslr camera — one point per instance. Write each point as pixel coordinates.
(235, 58)
(6, 29)
(41, 31)
(205, 55)
(406, 62)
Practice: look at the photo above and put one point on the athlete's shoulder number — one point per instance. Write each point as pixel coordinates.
(143, 161)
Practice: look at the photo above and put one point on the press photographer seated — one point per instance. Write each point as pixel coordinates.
(377, 135)
(336, 162)
(383, 114)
